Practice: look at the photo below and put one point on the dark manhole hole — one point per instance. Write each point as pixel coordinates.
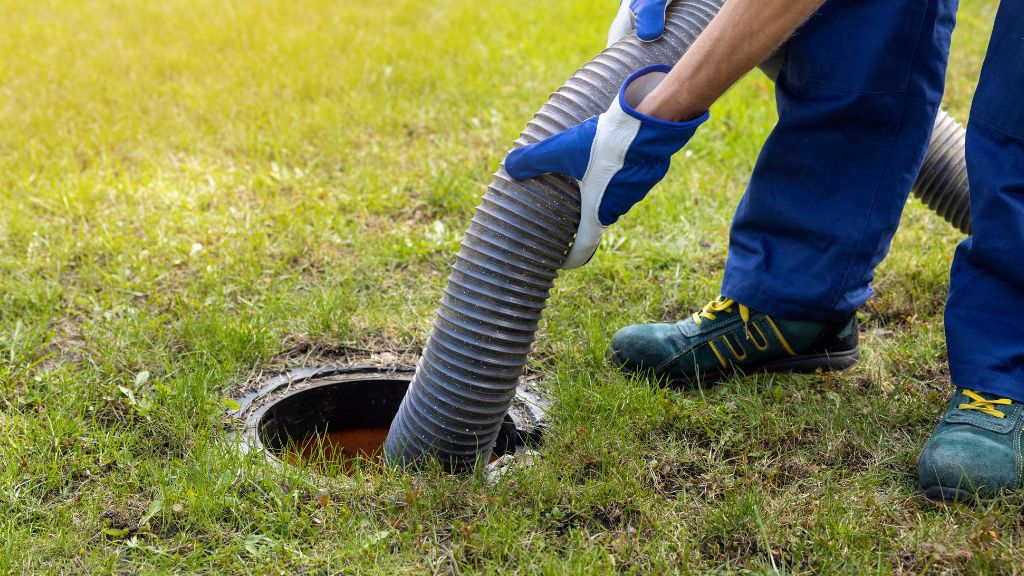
(339, 414)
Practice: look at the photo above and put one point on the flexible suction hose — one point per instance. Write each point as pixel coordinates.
(942, 182)
(511, 254)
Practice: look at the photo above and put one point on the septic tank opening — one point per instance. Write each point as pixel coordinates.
(338, 415)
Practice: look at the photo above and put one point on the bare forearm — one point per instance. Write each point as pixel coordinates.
(740, 37)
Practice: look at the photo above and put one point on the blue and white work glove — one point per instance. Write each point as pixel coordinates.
(616, 158)
(648, 16)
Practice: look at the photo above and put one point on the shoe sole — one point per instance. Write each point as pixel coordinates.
(827, 361)
(961, 496)
(944, 494)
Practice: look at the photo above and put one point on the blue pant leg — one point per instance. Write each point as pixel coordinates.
(985, 311)
(857, 96)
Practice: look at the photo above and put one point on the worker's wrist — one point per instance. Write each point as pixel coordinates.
(645, 93)
(657, 105)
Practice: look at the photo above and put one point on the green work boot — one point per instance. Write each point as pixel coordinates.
(976, 449)
(727, 336)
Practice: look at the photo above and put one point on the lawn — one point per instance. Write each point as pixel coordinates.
(195, 193)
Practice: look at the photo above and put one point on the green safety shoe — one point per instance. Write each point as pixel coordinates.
(727, 336)
(976, 449)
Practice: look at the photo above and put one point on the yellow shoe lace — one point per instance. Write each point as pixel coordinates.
(984, 406)
(719, 305)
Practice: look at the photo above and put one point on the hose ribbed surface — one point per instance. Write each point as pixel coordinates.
(507, 264)
(481, 338)
(942, 182)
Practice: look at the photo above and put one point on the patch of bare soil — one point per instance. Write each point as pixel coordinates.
(301, 352)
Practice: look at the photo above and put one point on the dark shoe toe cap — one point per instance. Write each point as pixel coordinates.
(641, 347)
(960, 461)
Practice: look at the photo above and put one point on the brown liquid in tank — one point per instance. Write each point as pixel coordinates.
(343, 446)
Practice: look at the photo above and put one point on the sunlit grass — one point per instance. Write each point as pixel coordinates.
(196, 190)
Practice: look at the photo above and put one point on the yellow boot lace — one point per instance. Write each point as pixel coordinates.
(984, 406)
(718, 306)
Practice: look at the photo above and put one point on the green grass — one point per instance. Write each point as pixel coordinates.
(193, 192)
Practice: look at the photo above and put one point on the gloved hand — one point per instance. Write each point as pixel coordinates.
(616, 157)
(647, 15)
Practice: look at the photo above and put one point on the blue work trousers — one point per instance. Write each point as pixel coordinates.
(857, 96)
(985, 310)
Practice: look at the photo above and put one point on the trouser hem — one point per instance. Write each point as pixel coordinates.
(756, 298)
(989, 383)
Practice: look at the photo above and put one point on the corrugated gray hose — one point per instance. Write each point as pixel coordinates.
(488, 317)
